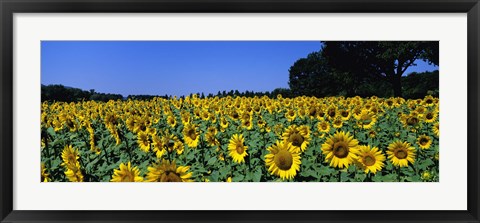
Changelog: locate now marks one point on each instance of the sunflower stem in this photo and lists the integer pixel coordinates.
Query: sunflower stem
(398, 174)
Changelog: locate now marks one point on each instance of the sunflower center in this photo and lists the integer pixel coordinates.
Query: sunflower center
(283, 160)
(71, 159)
(172, 177)
(429, 116)
(240, 149)
(412, 121)
(312, 111)
(191, 134)
(331, 113)
(369, 160)
(423, 141)
(296, 139)
(69, 123)
(340, 149)
(128, 177)
(344, 113)
(401, 153)
(324, 126)
(429, 101)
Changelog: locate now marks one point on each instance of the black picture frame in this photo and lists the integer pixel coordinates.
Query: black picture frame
(9, 7)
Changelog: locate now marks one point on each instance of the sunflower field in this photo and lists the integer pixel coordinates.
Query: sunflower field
(241, 139)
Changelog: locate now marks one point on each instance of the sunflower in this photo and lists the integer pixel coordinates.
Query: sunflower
(93, 148)
(179, 147)
(370, 159)
(73, 173)
(389, 103)
(234, 115)
(290, 115)
(345, 114)
(171, 121)
(143, 141)
(223, 124)
(261, 124)
(436, 129)
(400, 153)
(131, 123)
(282, 160)
(366, 119)
(247, 123)
(237, 150)
(372, 134)
(340, 149)
(211, 139)
(302, 113)
(426, 176)
(312, 112)
(332, 112)
(337, 122)
(430, 116)
(429, 100)
(158, 147)
(205, 115)
(212, 130)
(299, 137)
(168, 172)
(411, 120)
(323, 126)
(185, 116)
(45, 176)
(424, 141)
(190, 135)
(126, 173)
(70, 156)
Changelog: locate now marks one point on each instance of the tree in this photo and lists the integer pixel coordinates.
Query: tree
(312, 76)
(370, 60)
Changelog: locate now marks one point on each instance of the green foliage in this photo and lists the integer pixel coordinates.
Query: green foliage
(62, 93)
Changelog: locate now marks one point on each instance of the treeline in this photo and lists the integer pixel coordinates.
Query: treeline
(58, 92)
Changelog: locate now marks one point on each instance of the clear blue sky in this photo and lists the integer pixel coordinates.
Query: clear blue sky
(174, 67)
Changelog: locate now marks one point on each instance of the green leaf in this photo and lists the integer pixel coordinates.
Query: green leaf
(212, 160)
(344, 177)
(214, 176)
(309, 173)
(51, 131)
(257, 175)
(390, 178)
(224, 171)
(238, 178)
(425, 164)
(325, 171)
(360, 177)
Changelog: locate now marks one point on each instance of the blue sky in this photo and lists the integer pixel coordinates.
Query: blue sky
(174, 67)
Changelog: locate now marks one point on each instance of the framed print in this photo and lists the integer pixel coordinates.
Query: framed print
(242, 111)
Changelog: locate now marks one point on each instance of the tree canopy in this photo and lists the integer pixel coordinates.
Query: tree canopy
(361, 68)
(387, 60)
